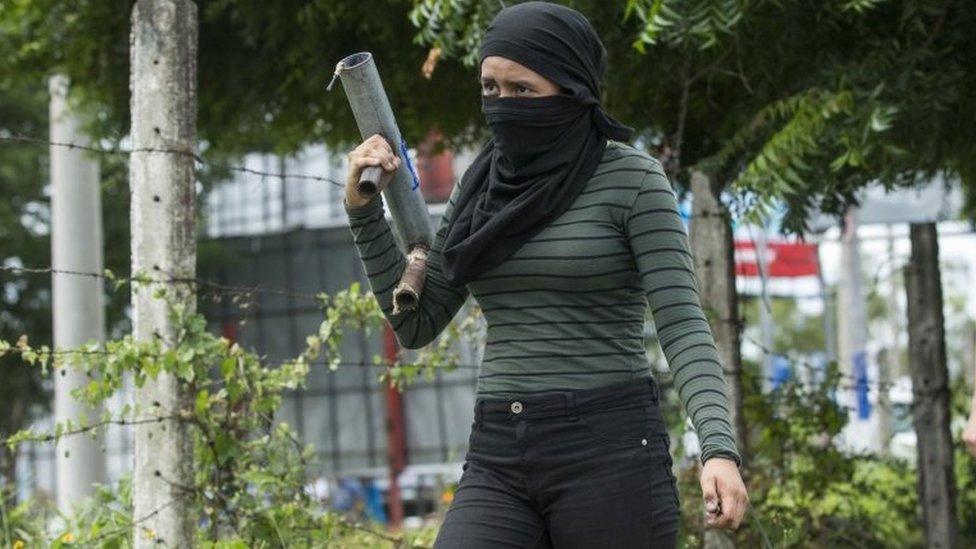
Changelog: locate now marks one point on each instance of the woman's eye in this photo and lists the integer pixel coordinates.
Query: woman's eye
(521, 90)
(488, 89)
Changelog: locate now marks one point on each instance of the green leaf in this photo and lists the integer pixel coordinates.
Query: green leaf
(202, 402)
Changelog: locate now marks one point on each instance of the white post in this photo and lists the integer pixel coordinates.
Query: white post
(79, 316)
(852, 331)
(163, 83)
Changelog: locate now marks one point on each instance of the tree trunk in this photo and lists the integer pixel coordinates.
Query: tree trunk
(163, 82)
(930, 388)
(78, 314)
(713, 247)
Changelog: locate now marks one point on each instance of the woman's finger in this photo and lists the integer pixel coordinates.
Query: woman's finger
(727, 499)
(723, 520)
(378, 144)
(738, 509)
(376, 141)
(711, 498)
(385, 155)
(388, 164)
(969, 437)
(367, 160)
(361, 162)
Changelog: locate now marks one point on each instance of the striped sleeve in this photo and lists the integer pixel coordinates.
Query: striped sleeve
(384, 264)
(659, 242)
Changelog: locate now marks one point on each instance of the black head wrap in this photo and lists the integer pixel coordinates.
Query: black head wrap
(543, 149)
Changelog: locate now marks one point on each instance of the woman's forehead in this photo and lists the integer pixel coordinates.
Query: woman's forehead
(496, 66)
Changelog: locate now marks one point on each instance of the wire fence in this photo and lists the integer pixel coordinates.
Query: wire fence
(323, 299)
(197, 158)
(17, 138)
(207, 286)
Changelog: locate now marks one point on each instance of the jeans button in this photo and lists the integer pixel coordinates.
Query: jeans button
(516, 407)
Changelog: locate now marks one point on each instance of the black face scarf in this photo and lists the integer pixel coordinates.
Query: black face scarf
(543, 149)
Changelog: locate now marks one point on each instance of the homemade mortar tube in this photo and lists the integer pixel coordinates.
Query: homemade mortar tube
(402, 196)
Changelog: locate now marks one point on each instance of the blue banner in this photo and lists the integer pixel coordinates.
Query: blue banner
(861, 384)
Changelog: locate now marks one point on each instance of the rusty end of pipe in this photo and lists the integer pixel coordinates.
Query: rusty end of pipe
(369, 182)
(406, 296)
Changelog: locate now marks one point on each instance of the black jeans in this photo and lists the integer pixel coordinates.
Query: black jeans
(587, 468)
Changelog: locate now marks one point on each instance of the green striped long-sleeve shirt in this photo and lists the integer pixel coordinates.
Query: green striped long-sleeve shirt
(567, 310)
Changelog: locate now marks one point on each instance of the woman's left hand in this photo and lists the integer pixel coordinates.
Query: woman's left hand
(969, 434)
(724, 493)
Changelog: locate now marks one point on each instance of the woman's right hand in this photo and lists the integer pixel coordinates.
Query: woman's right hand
(374, 151)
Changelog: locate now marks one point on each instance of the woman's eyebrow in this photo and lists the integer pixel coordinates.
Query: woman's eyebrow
(516, 82)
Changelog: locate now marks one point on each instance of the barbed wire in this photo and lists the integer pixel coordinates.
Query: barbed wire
(365, 364)
(257, 289)
(859, 381)
(208, 285)
(20, 138)
(275, 361)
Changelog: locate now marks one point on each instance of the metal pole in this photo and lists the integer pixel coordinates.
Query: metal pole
(396, 436)
(79, 315)
(164, 105)
(411, 219)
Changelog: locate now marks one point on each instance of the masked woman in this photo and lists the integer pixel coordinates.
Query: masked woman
(564, 235)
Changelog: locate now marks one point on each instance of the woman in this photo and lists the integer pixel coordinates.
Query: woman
(564, 235)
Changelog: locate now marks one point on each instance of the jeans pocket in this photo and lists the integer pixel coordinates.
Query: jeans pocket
(668, 465)
(658, 486)
(674, 488)
(630, 426)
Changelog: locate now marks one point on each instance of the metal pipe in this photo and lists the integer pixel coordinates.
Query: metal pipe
(411, 220)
